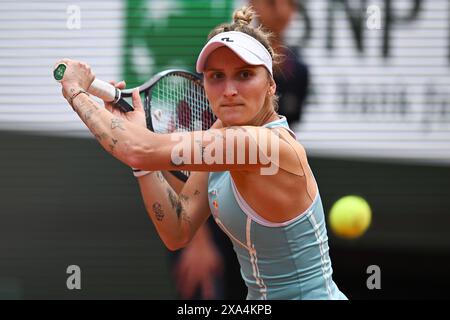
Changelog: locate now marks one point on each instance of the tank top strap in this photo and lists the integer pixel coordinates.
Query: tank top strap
(282, 122)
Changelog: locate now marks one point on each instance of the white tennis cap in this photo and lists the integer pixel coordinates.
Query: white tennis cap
(245, 46)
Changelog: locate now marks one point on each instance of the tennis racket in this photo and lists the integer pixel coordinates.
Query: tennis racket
(174, 101)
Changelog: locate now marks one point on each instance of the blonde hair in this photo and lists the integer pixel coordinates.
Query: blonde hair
(241, 22)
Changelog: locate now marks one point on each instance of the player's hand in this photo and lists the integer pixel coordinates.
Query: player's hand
(78, 75)
(197, 268)
(137, 116)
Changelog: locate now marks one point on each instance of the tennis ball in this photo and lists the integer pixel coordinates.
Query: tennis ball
(350, 216)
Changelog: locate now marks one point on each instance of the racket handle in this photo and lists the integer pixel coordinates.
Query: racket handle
(105, 91)
(99, 88)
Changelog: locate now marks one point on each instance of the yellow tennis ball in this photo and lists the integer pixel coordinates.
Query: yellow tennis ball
(350, 216)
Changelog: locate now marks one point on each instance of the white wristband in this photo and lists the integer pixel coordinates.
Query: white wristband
(140, 173)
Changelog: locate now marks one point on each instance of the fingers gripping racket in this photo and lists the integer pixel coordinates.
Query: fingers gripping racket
(101, 89)
(174, 101)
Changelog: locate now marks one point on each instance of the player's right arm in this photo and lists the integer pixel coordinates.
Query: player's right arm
(176, 217)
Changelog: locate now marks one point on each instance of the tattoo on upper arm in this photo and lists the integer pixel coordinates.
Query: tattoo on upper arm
(157, 209)
(183, 197)
(175, 203)
(172, 198)
(186, 218)
(117, 123)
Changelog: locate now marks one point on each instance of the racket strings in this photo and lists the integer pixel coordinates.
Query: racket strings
(178, 103)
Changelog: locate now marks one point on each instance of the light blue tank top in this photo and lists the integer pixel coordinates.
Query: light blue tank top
(286, 260)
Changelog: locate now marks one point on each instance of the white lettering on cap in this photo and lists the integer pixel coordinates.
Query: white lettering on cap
(245, 46)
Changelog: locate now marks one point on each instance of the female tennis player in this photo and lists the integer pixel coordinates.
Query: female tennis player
(248, 171)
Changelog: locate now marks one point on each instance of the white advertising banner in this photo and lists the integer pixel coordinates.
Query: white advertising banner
(380, 69)
(380, 84)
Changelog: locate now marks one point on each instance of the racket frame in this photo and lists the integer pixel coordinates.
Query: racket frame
(146, 88)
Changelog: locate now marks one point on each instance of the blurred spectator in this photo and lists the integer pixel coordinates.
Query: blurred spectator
(292, 76)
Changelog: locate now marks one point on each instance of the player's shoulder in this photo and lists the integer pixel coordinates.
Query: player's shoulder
(292, 153)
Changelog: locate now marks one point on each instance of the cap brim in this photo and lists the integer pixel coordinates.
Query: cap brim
(246, 55)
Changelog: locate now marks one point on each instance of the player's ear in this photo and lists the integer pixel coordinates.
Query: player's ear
(272, 87)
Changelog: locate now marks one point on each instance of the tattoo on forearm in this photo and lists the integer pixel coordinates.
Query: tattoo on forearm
(157, 209)
(92, 126)
(101, 136)
(85, 105)
(88, 115)
(117, 123)
(196, 193)
(87, 109)
(113, 145)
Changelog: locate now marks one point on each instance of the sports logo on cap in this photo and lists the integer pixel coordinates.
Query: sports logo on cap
(245, 46)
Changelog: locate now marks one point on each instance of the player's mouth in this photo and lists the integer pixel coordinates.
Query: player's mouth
(231, 105)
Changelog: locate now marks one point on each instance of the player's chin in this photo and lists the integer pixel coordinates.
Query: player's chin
(233, 118)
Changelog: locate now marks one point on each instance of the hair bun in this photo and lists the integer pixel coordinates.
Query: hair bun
(243, 16)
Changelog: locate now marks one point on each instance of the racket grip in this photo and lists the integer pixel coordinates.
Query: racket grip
(105, 91)
(99, 88)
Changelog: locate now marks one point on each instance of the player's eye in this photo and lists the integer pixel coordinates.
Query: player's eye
(245, 74)
(216, 75)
